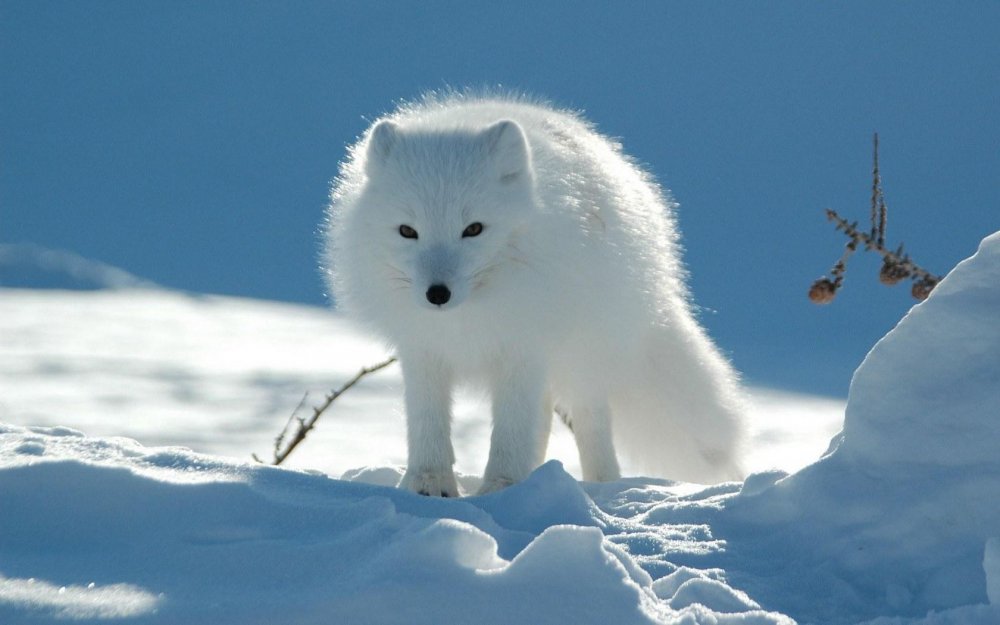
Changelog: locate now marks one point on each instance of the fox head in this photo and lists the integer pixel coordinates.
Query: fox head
(444, 208)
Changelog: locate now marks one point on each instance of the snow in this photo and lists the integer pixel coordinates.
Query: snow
(991, 566)
(157, 366)
(898, 523)
(113, 601)
(164, 535)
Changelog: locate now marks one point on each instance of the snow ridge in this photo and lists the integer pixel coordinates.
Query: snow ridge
(187, 538)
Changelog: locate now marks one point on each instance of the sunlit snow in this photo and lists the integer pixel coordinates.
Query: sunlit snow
(897, 524)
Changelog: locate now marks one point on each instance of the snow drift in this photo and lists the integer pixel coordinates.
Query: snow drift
(96, 529)
(896, 519)
(899, 524)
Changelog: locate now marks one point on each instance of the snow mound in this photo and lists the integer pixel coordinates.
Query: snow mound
(34, 266)
(897, 523)
(98, 528)
(929, 392)
(896, 519)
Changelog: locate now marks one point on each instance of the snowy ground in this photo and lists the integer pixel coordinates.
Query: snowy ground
(899, 524)
(221, 376)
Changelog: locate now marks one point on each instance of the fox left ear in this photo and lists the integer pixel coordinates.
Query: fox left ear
(508, 147)
(381, 141)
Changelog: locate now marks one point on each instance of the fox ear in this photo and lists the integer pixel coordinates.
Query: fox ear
(508, 147)
(383, 138)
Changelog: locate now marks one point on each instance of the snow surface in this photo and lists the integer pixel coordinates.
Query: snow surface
(991, 566)
(897, 524)
(221, 375)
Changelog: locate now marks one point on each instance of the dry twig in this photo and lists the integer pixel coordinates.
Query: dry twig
(896, 265)
(302, 426)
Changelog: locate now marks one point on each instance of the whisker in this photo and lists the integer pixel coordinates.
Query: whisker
(397, 277)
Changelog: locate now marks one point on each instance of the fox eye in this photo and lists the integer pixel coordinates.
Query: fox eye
(473, 230)
(407, 232)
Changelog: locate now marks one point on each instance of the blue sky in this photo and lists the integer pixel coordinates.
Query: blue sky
(192, 143)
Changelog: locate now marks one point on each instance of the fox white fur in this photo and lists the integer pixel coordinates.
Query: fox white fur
(571, 298)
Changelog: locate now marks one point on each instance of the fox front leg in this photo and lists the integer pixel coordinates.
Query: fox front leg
(591, 426)
(520, 411)
(430, 455)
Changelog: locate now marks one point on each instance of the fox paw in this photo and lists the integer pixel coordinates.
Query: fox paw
(433, 483)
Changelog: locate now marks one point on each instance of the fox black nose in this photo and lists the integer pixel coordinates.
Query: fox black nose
(438, 294)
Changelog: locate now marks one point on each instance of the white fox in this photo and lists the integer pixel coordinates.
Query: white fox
(504, 244)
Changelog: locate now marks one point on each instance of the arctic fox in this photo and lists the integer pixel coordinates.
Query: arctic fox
(505, 244)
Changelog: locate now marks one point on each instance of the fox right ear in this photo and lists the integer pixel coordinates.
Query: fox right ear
(508, 147)
(383, 138)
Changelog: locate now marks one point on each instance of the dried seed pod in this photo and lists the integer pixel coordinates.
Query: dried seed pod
(896, 265)
(892, 272)
(922, 289)
(822, 291)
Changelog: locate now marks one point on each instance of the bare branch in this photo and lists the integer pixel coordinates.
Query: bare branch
(895, 265)
(303, 426)
(877, 231)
